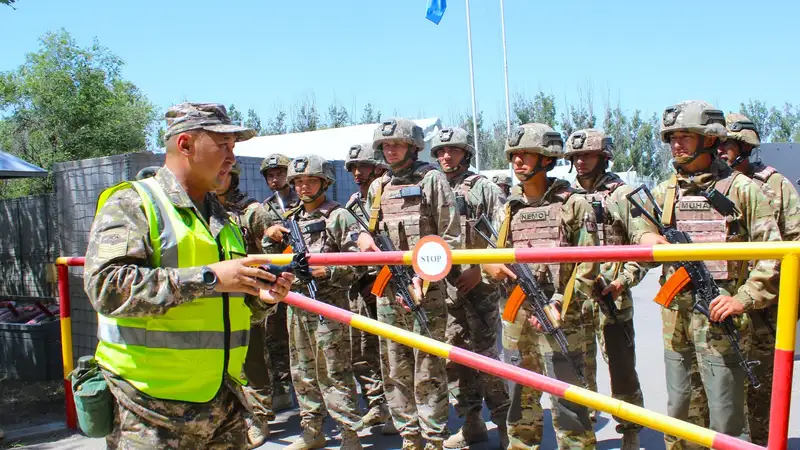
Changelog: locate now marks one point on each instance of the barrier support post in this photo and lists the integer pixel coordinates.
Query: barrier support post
(66, 341)
(784, 354)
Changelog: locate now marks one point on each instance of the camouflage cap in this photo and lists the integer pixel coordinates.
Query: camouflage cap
(742, 129)
(398, 129)
(275, 161)
(694, 116)
(364, 154)
(453, 137)
(535, 138)
(502, 179)
(203, 116)
(312, 166)
(589, 140)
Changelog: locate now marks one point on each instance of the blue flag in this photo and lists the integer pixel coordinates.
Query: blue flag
(436, 10)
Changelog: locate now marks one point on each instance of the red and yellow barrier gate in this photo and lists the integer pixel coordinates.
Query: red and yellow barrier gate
(788, 252)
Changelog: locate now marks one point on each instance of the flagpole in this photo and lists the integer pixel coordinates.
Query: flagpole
(472, 87)
(505, 74)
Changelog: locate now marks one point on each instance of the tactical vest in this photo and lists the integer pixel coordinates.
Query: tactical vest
(607, 233)
(695, 216)
(183, 354)
(405, 213)
(762, 177)
(314, 229)
(540, 227)
(469, 214)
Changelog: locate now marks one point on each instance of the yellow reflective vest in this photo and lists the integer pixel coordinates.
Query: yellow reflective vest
(183, 354)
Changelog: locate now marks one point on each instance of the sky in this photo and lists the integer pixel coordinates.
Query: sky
(267, 55)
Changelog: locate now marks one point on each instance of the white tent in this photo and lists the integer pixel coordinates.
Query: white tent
(331, 144)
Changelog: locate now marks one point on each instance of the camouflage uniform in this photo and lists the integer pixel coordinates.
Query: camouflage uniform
(687, 334)
(365, 346)
(784, 200)
(473, 320)
(276, 334)
(414, 381)
(616, 224)
(558, 219)
(319, 350)
(503, 182)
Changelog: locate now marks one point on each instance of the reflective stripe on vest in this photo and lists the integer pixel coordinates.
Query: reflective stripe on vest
(182, 354)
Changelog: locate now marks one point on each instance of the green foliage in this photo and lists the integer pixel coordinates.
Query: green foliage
(370, 115)
(235, 115)
(542, 109)
(578, 117)
(774, 125)
(8, 2)
(338, 116)
(306, 117)
(254, 121)
(68, 102)
(277, 125)
(490, 142)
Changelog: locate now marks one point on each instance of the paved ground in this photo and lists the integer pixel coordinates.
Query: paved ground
(651, 371)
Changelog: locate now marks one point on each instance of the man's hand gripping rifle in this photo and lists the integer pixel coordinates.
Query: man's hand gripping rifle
(401, 276)
(695, 272)
(528, 288)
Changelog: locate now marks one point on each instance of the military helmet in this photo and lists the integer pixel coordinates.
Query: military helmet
(312, 166)
(453, 137)
(275, 161)
(535, 138)
(398, 129)
(364, 154)
(502, 179)
(147, 172)
(694, 116)
(742, 129)
(589, 140)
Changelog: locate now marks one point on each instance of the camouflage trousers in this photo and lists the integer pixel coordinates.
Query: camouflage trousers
(618, 354)
(415, 382)
(321, 369)
(365, 351)
(688, 336)
(263, 365)
(143, 422)
(541, 351)
(472, 324)
(762, 349)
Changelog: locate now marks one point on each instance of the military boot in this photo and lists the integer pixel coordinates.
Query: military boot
(257, 432)
(311, 438)
(434, 445)
(376, 415)
(630, 440)
(350, 441)
(282, 402)
(412, 442)
(472, 432)
(502, 433)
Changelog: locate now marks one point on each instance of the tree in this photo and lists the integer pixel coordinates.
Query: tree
(277, 125)
(370, 115)
(580, 116)
(254, 122)
(235, 115)
(759, 114)
(306, 117)
(338, 116)
(8, 2)
(616, 125)
(783, 123)
(67, 102)
(542, 109)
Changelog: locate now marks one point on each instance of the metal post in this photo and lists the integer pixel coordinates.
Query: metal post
(505, 75)
(784, 354)
(472, 87)
(66, 342)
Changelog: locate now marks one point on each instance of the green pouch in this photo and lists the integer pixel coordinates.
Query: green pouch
(93, 401)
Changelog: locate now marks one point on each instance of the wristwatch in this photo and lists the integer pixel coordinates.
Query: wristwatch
(209, 278)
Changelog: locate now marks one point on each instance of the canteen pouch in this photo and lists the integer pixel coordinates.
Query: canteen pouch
(93, 401)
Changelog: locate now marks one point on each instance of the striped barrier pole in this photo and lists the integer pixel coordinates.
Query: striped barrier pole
(64, 306)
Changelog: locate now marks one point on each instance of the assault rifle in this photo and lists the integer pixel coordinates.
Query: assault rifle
(528, 288)
(296, 243)
(401, 276)
(695, 272)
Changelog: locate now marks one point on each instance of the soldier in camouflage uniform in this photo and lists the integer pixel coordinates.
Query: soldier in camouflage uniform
(167, 395)
(589, 151)
(473, 318)
(412, 201)
(545, 212)
(319, 350)
(366, 165)
(253, 219)
(694, 129)
(743, 137)
(274, 170)
(504, 182)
